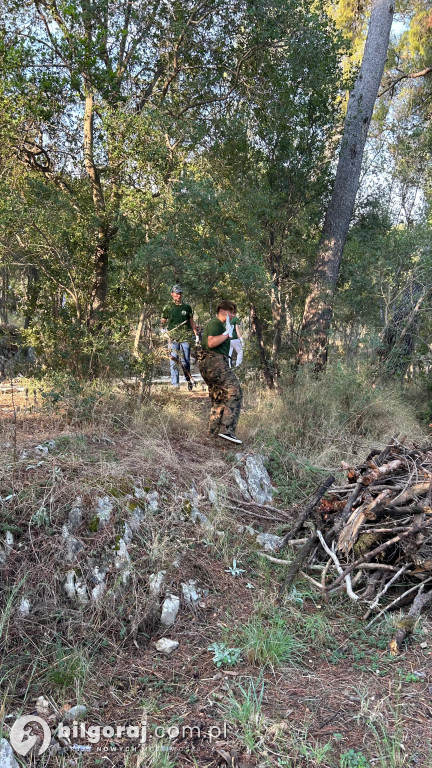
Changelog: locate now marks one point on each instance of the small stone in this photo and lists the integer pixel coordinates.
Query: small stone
(190, 593)
(200, 517)
(97, 592)
(156, 581)
(42, 706)
(153, 501)
(75, 713)
(7, 547)
(170, 609)
(75, 588)
(104, 507)
(99, 574)
(24, 607)
(247, 529)
(127, 536)
(423, 645)
(212, 496)
(69, 585)
(7, 759)
(73, 545)
(81, 592)
(41, 450)
(165, 645)
(269, 541)
(75, 514)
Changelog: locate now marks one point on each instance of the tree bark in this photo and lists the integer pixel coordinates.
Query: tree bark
(319, 303)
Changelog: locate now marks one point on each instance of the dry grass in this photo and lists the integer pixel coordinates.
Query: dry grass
(104, 444)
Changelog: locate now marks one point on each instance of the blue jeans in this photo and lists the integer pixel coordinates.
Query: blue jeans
(184, 348)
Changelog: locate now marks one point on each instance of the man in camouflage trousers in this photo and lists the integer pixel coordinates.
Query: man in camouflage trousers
(223, 385)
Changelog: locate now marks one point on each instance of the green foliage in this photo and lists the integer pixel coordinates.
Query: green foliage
(353, 759)
(266, 640)
(244, 709)
(224, 656)
(69, 668)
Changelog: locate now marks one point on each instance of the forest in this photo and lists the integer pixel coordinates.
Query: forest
(169, 599)
(144, 144)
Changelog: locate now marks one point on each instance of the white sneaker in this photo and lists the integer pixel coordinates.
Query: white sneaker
(231, 438)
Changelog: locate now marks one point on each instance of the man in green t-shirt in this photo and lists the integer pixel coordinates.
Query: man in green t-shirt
(223, 385)
(178, 318)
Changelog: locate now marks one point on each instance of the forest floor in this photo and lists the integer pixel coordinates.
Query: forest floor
(300, 685)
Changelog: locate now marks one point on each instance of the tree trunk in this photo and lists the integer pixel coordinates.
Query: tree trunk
(319, 303)
(257, 330)
(398, 337)
(4, 295)
(105, 232)
(276, 306)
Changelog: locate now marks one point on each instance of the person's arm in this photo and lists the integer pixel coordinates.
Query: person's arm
(215, 341)
(238, 331)
(193, 325)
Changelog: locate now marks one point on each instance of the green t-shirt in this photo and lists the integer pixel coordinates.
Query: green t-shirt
(214, 328)
(176, 314)
(234, 322)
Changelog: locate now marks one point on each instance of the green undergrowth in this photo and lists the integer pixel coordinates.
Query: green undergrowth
(315, 422)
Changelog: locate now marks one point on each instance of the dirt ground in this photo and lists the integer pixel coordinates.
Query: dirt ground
(341, 701)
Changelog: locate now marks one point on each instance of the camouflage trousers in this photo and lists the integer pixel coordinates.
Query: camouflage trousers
(224, 390)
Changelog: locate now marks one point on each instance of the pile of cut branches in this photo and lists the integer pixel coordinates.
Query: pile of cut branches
(373, 535)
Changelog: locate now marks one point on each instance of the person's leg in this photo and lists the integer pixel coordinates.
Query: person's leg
(233, 397)
(226, 392)
(239, 350)
(185, 353)
(174, 350)
(216, 396)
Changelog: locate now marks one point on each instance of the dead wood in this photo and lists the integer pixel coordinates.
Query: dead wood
(407, 624)
(381, 519)
(321, 490)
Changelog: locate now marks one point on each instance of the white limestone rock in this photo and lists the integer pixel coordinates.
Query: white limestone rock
(75, 713)
(73, 545)
(190, 593)
(42, 706)
(153, 501)
(7, 547)
(104, 507)
(75, 515)
(165, 645)
(24, 607)
(258, 479)
(122, 560)
(156, 581)
(7, 759)
(269, 541)
(242, 484)
(75, 588)
(170, 609)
